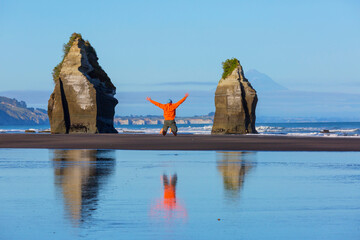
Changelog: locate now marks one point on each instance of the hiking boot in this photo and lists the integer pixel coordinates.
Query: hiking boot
(162, 132)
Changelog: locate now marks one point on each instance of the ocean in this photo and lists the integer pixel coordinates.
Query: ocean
(328, 129)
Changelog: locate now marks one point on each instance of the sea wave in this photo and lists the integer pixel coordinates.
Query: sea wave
(24, 130)
(184, 130)
(12, 130)
(310, 129)
(345, 130)
(265, 129)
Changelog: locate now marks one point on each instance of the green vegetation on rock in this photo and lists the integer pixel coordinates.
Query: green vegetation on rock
(66, 49)
(229, 65)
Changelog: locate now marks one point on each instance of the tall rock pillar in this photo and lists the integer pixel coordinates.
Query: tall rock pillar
(83, 98)
(235, 102)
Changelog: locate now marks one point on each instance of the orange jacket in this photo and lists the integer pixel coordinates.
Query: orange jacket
(169, 108)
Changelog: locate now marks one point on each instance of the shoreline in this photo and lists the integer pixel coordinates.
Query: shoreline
(181, 142)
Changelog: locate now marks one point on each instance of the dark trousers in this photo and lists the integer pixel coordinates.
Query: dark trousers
(171, 124)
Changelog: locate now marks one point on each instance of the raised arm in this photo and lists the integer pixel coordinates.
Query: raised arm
(181, 101)
(155, 103)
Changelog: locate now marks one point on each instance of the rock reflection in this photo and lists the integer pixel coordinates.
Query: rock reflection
(79, 174)
(234, 166)
(169, 207)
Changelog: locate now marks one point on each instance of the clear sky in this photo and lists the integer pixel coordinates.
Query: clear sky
(155, 45)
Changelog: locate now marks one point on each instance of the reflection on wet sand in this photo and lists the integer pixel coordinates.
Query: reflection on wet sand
(79, 175)
(234, 166)
(169, 207)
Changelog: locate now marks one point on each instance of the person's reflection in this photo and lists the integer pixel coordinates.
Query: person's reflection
(170, 191)
(169, 207)
(234, 166)
(79, 174)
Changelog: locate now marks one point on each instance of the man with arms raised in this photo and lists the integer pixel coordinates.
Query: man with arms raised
(169, 114)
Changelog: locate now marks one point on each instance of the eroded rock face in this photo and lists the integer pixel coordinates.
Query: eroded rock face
(83, 99)
(235, 103)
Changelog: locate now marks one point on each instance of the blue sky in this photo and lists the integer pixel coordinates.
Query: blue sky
(147, 45)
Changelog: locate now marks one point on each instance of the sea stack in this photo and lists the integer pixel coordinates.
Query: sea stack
(235, 102)
(83, 98)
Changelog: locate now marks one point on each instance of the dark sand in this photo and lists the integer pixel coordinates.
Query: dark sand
(181, 142)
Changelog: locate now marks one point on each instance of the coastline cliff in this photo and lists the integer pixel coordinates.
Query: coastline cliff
(13, 112)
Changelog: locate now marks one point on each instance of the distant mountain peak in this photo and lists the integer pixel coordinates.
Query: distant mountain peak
(262, 82)
(251, 71)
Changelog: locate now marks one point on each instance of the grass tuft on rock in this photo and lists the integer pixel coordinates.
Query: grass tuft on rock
(66, 49)
(228, 66)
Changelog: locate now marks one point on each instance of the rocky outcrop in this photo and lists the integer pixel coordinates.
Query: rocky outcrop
(13, 112)
(235, 103)
(83, 99)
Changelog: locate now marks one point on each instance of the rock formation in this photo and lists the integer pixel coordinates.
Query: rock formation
(13, 112)
(83, 99)
(235, 102)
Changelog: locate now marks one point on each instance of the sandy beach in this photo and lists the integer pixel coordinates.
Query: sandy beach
(181, 142)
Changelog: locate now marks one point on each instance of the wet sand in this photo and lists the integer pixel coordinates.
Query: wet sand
(181, 142)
